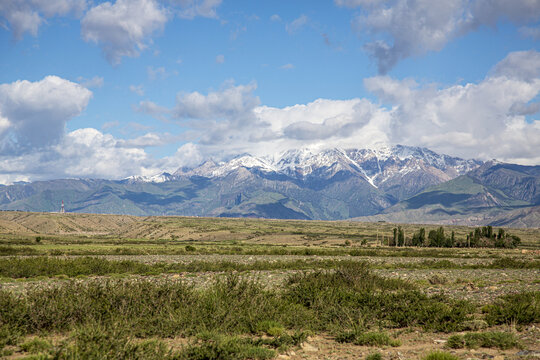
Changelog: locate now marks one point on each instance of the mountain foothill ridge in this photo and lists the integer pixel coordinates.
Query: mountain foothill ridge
(389, 183)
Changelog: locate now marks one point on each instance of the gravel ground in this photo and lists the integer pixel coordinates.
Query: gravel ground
(478, 285)
(248, 259)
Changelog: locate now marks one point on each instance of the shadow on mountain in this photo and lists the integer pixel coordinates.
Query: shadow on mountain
(435, 197)
(151, 199)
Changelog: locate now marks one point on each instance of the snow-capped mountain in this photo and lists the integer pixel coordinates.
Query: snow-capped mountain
(376, 165)
(330, 184)
(399, 170)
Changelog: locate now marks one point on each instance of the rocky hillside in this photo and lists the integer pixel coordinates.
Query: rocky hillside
(407, 183)
(494, 193)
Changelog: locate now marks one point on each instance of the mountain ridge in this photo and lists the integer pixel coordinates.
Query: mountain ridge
(330, 184)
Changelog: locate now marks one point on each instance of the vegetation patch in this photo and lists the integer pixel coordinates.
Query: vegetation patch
(367, 338)
(440, 355)
(499, 340)
(210, 346)
(521, 309)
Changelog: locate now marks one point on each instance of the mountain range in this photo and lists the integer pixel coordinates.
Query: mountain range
(398, 184)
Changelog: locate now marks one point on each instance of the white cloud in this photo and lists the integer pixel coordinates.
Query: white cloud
(520, 65)
(137, 89)
(26, 16)
(95, 82)
(287, 66)
(152, 109)
(275, 18)
(532, 32)
(146, 140)
(192, 8)
(296, 24)
(477, 120)
(416, 27)
(89, 153)
(357, 3)
(483, 120)
(123, 28)
(156, 73)
(230, 102)
(37, 112)
(231, 121)
(220, 59)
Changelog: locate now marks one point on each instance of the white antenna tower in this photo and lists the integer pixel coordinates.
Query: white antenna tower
(62, 209)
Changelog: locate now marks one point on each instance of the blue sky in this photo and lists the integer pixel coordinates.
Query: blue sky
(119, 88)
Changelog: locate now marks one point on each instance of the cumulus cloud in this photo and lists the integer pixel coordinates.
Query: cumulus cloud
(231, 121)
(189, 9)
(89, 153)
(26, 16)
(520, 65)
(34, 114)
(483, 120)
(123, 28)
(230, 102)
(416, 27)
(487, 119)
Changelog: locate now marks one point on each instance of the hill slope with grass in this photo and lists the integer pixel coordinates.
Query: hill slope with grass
(494, 194)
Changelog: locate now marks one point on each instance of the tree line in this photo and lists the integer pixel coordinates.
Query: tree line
(483, 236)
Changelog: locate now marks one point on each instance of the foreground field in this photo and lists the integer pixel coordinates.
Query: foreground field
(97, 286)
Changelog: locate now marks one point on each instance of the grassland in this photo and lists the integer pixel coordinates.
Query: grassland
(83, 286)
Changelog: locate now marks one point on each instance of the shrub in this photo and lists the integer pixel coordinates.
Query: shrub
(270, 328)
(97, 342)
(374, 356)
(456, 342)
(36, 346)
(500, 340)
(8, 336)
(210, 346)
(522, 309)
(440, 355)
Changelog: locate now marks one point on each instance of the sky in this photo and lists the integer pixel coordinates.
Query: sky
(111, 89)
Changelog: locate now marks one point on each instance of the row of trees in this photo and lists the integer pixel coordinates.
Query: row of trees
(479, 237)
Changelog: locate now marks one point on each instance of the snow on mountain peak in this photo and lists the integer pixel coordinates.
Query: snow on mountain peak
(375, 165)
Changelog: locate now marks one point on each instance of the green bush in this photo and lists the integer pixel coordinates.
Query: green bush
(270, 328)
(212, 346)
(94, 341)
(8, 336)
(36, 346)
(521, 309)
(499, 340)
(323, 300)
(440, 355)
(374, 356)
